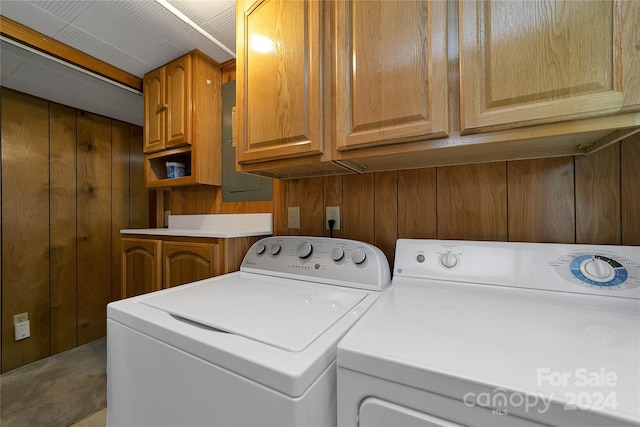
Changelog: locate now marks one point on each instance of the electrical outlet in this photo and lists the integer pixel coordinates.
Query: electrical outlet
(333, 212)
(20, 318)
(294, 217)
(21, 330)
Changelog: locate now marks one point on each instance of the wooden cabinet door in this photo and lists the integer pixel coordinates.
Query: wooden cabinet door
(278, 75)
(154, 111)
(529, 62)
(186, 262)
(178, 93)
(390, 83)
(141, 266)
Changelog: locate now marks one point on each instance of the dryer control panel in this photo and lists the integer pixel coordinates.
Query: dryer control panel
(320, 259)
(591, 269)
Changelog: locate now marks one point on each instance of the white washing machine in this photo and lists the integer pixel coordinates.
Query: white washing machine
(498, 334)
(251, 348)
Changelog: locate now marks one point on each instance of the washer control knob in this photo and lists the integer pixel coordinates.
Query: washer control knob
(304, 250)
(598, 269)
(337, 254)
(275, 249)
(449, 259)
(260, 248)
(358, 256)
(420, 258)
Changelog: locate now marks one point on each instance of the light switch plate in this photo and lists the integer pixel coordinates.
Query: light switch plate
(294, 217)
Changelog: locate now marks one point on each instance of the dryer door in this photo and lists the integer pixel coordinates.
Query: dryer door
(376, 412)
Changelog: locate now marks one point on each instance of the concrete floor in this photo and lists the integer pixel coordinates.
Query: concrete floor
(57, 391)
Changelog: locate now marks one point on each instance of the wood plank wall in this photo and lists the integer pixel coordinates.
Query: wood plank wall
(592, 200)
(70, 181)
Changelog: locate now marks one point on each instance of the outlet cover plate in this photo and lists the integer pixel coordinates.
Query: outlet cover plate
(333, 212)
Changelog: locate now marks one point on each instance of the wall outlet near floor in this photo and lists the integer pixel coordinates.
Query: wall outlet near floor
(21, 328)
(20, 318)
(294, 217)
(333, 212)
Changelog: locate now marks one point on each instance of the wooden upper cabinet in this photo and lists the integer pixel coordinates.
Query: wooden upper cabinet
(182, 121)
(154, 116)
(278, 69)
(167, 106)
(390, 81)
(532, 62)
(178, 97)
(186, 262)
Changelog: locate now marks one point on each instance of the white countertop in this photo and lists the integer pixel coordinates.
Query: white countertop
(215, 225)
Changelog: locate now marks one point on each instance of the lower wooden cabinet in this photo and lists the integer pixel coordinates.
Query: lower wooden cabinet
(186, 262)
(141, 266)
(151, 263)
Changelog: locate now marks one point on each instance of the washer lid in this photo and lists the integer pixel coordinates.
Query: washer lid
(286, 314)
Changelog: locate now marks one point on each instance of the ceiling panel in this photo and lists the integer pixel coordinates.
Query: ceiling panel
(136, 36)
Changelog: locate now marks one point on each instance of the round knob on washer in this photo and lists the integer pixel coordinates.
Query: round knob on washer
(260, 248)
(420, 258)
(337, 254)
(275, 249)
(358, 256)
(304, 250)
(449, 259)
(598, 269)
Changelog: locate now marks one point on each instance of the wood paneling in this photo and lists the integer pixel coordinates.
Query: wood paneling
(62, 227)
(119, 199)
(94, 225)
(307, 194)
(138, 195)
(358, 208)
(417, 204)
(25, 225)
(472, 202)
(57, 209)
(598, 197)
(630, 184)
(280, 203)
(386, 213)
(541, 200)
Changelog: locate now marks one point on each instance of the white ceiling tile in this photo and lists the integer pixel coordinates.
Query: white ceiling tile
(126, 35)
(194, 40)
(200, 11)
(32, 16)
(153, 18)
(64, 9)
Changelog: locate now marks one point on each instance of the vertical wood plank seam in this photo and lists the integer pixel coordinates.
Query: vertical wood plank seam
(620, 177)
(76, 223)
(575, 202)
(49, 221)
(437, 197)
(506, 189)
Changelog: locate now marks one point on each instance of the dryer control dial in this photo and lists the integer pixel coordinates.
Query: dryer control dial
(449, 259)
(305, 249)
(597, 269)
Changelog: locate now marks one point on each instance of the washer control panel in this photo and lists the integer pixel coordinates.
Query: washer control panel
(591, 269)
(333, 261)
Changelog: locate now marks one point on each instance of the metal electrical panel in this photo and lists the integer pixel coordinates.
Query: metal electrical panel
(237, 186)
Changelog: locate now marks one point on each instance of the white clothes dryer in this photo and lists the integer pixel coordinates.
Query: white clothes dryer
(251, 348)
(498, 334)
